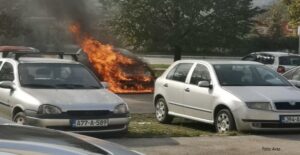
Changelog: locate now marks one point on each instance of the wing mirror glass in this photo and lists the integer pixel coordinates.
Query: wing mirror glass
(204, 84)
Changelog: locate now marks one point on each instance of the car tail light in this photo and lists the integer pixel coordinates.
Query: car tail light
(280, 69)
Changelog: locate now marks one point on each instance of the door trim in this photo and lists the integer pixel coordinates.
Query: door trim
(191, 107)
(192, 118)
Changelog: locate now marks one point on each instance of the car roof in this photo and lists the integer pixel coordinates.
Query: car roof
(214, 62)
(45, 60)
(276, 53)
(17, 49)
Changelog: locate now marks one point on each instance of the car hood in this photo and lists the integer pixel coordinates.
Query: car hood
(265, 93)
(34, 140)
(76, 99)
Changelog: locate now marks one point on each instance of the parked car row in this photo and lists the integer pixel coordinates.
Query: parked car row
(65, 95)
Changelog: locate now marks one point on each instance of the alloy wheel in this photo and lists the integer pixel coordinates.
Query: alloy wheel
(223, 123)
(160, 110)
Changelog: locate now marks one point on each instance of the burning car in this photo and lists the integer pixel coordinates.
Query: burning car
(124, 72)
(135, 78)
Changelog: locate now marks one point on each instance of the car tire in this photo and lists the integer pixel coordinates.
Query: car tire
(224, 121)
(20, 118)
(161, 111)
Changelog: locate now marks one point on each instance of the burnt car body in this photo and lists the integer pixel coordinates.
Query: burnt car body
(135, 73)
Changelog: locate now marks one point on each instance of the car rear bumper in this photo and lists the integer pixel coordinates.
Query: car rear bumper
(114, 125)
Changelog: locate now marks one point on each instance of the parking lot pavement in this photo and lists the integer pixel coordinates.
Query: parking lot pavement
(139, 103)
(215, 145)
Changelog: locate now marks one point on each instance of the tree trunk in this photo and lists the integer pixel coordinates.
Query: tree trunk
(177, 53)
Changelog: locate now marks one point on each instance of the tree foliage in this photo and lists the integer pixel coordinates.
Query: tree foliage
(294, 11)
(184, 25)
(273, 18)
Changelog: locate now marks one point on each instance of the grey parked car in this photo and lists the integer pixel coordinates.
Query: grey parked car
(58, 94)
(240, 95)
(25, 140)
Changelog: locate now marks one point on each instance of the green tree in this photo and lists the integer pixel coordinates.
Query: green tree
(188, 24)
(294, 11)
(273, 18)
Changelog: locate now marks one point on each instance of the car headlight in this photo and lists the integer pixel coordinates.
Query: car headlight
(121, 109)
(48, 109)
(259, 105)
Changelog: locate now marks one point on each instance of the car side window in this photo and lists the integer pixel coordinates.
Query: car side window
(200, 73)
(180, 72)
(7, 72)
(171, 73)
(265, 59)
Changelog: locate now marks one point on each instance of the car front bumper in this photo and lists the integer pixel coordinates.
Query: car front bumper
(114, 125)
(259, 120)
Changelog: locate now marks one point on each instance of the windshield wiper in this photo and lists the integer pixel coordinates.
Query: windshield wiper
(38, 85)
(69, 86)
(73, 86)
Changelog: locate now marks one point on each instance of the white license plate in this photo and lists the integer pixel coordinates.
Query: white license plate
(90, 123)
(290, 119)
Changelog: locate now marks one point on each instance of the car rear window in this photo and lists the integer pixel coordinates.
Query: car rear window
(289, 60)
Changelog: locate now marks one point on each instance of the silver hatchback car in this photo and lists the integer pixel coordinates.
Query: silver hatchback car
(58, 94)
(240, 95)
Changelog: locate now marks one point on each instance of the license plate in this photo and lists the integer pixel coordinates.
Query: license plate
(290, 119)
(89, 123)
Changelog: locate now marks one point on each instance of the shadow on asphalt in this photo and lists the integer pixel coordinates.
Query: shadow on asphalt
(288, 135)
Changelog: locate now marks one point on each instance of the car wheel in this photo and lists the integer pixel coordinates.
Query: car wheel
(224, 121)
(161, 111)
(20, 118)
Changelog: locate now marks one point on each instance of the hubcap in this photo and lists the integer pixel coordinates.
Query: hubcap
(20, 120)
(223, 124)
(160, 110)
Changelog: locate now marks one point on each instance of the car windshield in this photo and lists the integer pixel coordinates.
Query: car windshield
(289, 60)
(58, 76)
(248, 75)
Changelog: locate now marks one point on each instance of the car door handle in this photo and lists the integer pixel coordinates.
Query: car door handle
(166, 85)
(187, 89)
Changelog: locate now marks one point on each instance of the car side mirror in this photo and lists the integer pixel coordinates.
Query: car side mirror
(295, 83)
(105, 85)
(204, 84)
(8, 85)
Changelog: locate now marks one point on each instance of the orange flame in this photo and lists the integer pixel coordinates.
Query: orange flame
(124, 74)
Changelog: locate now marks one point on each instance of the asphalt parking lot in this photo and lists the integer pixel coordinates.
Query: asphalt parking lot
(262, 144)
(216, 145)
(139, 103)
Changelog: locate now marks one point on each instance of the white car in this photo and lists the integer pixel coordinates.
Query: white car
(240, 95)
(279, 61)
(58, 94)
